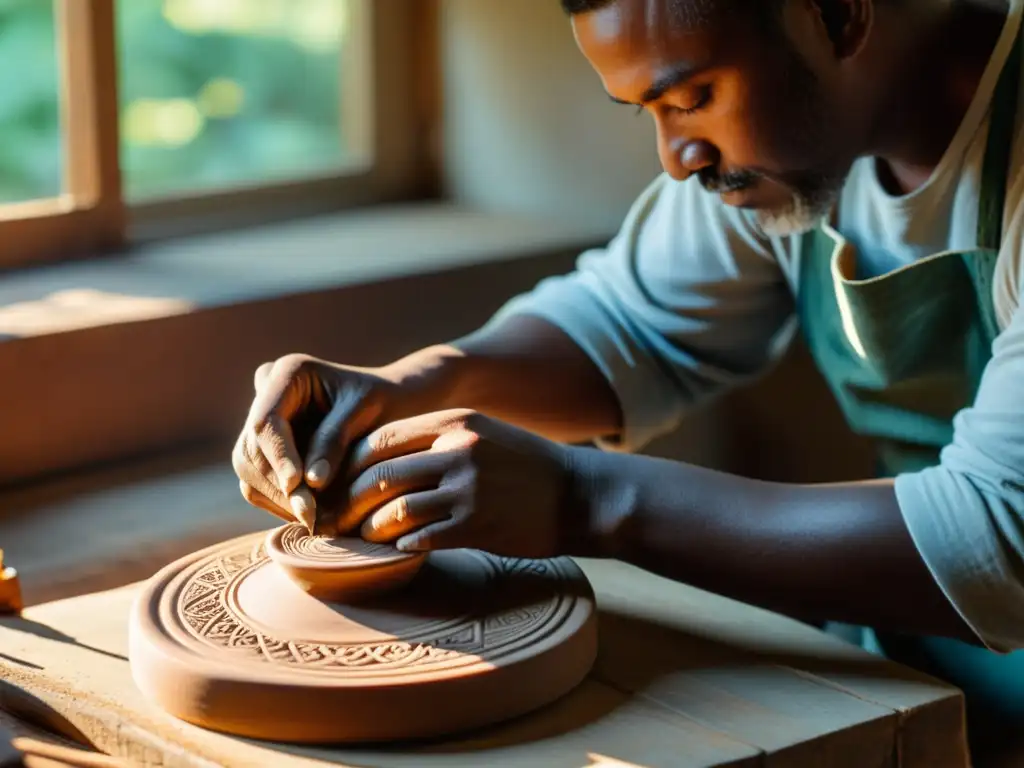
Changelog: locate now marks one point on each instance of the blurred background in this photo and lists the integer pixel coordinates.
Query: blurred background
(208, 92)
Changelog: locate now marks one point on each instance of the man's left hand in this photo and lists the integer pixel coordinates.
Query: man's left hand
(458, 479)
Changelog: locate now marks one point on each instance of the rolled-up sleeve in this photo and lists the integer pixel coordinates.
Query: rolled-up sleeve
(966, 515)
(686, 300)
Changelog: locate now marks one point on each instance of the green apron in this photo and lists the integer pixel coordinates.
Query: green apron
(903, 353)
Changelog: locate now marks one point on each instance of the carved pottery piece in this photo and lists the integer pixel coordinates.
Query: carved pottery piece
(346, 569)
(226, 640)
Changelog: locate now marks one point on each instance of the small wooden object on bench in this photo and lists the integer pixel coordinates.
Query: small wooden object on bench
(10, 589)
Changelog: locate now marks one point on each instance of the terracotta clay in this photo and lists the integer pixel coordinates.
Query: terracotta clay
(226, 640)
(347, 569)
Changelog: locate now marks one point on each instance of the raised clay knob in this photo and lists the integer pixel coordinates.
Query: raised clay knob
(340, 569)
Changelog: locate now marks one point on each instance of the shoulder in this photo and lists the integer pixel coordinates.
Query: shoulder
(682, 226)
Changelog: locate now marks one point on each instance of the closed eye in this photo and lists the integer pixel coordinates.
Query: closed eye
(703, 99)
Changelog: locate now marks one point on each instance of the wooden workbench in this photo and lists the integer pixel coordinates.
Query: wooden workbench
(683, 679)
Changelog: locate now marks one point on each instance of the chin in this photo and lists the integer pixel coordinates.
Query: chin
(776, 224)
(798, 217)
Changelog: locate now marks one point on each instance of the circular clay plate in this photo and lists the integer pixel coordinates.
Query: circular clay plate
(346, 569)
(224, 639)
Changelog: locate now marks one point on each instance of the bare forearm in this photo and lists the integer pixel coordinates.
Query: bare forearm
(825, 552)
(525, 372)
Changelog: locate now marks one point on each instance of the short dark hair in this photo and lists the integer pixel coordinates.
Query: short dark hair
(684, 7)
(692, 12)
(690, 7)
(572, 7)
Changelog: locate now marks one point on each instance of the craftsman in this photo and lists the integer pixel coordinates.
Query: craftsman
(848, 167)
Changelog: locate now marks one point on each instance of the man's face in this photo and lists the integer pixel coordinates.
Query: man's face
(734, 101)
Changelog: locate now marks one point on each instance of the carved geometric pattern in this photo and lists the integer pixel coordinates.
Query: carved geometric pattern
(295, 541)
(213, 619)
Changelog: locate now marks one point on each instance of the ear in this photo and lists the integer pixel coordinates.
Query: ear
(846, 23)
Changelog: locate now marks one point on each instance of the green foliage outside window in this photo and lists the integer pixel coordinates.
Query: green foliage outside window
(214, 93)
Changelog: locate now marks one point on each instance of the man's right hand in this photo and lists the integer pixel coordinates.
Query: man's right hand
(306, 414)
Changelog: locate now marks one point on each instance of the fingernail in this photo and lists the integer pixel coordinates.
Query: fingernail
(288, 480)
(318, 472)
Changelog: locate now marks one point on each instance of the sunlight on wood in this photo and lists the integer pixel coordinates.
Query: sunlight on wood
(83, 308)
(603, 761)
(34, 209)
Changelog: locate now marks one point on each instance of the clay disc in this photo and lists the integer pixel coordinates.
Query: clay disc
(346, 569)
(224, 639)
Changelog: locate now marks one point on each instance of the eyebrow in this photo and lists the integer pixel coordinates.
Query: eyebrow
(666, 81)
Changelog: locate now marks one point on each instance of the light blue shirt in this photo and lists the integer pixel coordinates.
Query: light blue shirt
(692, 298)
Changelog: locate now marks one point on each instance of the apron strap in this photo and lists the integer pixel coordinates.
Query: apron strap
(998, 151)
(995, 175)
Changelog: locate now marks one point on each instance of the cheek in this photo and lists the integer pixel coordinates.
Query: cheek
(742, 124)
(793, 120)
(766, 122)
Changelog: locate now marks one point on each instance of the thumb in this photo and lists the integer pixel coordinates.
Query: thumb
(350, 417)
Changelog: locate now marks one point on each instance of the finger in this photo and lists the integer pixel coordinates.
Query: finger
(257, 499)
(349, 417)
(445, 534)
(277, 442)
(390, 480)
(405, 436)
(280, 400)
(261, 376)
(407, 514)
(255, 472)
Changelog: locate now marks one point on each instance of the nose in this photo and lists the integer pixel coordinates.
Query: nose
(680, 158)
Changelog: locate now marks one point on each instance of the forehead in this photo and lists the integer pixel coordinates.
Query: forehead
(628, 39)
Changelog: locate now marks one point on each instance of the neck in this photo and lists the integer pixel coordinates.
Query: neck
(932, 55)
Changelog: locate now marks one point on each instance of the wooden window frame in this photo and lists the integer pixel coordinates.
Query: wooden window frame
(396, 39)
(88, 215)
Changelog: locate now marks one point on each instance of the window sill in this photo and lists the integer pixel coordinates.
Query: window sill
(186, 275)
(133, 354)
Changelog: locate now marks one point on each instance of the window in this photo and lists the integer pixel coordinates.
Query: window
(125, 120)
(217, 93)
(30, 151)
